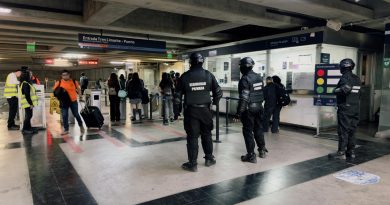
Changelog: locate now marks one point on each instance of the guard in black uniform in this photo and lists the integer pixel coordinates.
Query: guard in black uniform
(348, 104)
(196, 85)
(250, 110)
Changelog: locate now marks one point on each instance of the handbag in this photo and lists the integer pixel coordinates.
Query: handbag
(112, 91)
(122, 93)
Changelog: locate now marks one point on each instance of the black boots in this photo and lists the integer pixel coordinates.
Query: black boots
(263, 152)
(192, 152)
(134, 115)
(140, 114)
(190, 166)
(249, 158)
(350, 154)
(337, 155)
(210, 160)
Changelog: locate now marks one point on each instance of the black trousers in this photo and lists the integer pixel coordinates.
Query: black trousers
(13, 109)
(348, 119)
(28, 114)
(115, 114)
(198, 121)
(252, 130)
(275, 113)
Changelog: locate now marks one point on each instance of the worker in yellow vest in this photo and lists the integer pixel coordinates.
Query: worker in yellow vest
(28, 100)
(11, 93)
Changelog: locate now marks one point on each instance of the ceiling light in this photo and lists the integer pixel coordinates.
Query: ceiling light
(163, 60)
(5, 10)
(133, 60)
(117, 62)
(75, 55)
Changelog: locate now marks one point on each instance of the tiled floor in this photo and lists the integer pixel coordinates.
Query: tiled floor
(140, 163)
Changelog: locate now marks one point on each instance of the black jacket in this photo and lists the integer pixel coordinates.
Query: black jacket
(270, 95)
(26, 92)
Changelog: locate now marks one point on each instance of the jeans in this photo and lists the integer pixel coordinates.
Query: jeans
(275, 113)
(13, 109)
(74, 107)
(168, 107)
(28, 114)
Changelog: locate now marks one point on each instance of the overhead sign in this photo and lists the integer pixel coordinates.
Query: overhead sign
(260, 45)
(49, 61)
(30, 47)
(90, 41)
(88, 62)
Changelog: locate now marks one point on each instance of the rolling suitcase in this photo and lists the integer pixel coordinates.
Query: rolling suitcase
(92, 116)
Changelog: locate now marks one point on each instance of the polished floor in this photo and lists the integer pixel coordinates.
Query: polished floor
(140, 164)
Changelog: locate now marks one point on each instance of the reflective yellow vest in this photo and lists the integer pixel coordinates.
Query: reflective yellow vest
(10, 90)
(33, 95)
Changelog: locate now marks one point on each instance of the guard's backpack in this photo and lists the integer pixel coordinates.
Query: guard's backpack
(283, 96)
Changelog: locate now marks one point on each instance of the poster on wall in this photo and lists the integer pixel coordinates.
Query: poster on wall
(325, 58)
(235, 69)
(225, 66)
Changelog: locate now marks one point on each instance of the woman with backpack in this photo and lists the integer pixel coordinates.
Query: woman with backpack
(283, 99)
(113, 90)
(166, 87)
(134, 92)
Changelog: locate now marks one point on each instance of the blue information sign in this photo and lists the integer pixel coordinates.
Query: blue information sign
(90, 41)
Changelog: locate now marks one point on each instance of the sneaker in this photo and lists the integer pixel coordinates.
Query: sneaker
(27, 132)
(188, 166)
(210, 162)
(337, 155)
(249, 158)
(172, 120)
(65, 132)
(165, 122)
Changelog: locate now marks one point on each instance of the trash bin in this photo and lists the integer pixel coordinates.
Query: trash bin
(95, 98)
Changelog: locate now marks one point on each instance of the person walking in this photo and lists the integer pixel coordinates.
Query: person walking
(271, 107)
(11, 93)
(66, 90)
(84, 83)
(113, 90)
(166, 89)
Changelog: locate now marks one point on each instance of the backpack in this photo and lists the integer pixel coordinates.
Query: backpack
(283, 96)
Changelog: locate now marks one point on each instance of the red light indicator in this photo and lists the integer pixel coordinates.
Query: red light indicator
(49, 61)
(320, 72)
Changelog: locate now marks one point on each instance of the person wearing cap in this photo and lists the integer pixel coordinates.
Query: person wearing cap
(11, 93)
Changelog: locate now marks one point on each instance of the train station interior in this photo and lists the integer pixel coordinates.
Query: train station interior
(134, 153)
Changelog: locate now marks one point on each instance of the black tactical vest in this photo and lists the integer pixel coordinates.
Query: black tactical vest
(256, 87)
(197, 85)
(351, 99)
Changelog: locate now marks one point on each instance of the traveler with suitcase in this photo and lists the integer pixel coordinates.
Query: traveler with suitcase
(66, 90)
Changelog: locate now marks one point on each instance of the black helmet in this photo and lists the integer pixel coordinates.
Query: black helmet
(196, 59)
(346, 64)
(246, 64)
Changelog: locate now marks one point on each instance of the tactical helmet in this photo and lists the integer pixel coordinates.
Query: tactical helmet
(346, 64)
(246, 64)
(196, 59)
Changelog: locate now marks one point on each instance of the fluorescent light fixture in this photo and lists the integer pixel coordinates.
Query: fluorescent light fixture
(75, 55)
(133, 60)
(163, 59)
(60, 62)
(117, 62)
(5, 10)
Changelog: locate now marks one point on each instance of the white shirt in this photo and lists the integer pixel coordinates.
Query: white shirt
(13, 79)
